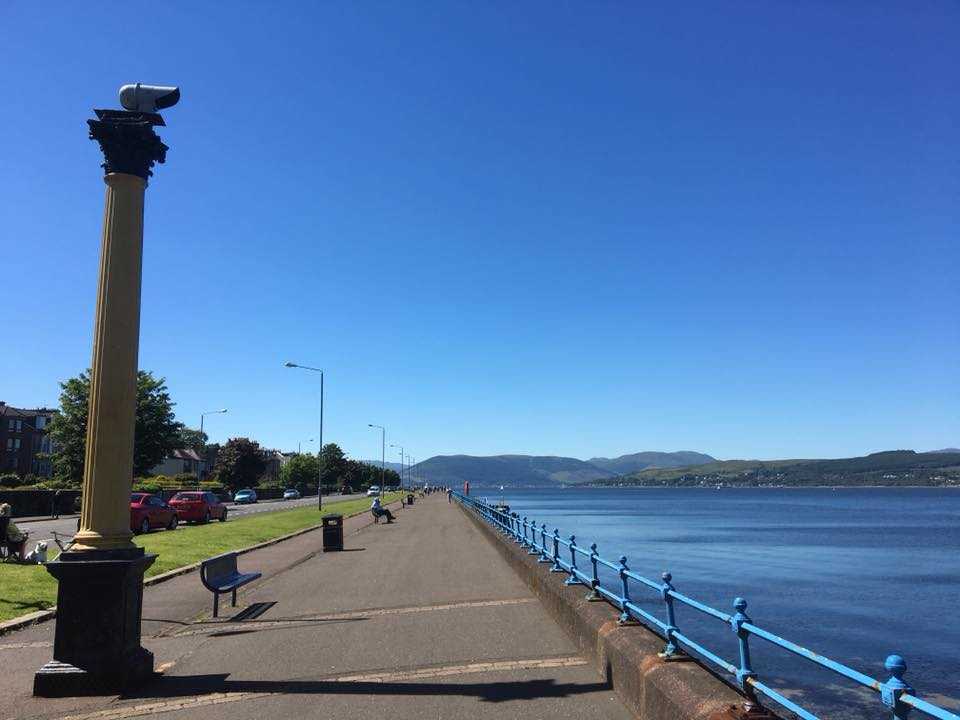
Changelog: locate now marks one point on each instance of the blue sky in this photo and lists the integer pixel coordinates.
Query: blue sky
(553, 228)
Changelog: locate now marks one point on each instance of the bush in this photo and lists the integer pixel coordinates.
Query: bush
(10, 480)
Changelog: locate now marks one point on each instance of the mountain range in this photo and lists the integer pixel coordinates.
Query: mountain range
(544, 470)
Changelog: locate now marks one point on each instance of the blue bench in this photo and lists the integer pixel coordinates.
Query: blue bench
(220, 575)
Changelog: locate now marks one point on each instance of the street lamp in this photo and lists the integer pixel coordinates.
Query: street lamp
(298, 445)
(383, 453)
(401, 462)
(320, 451)
(202, 438)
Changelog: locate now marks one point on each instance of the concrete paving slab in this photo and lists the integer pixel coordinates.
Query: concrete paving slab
(421, 619)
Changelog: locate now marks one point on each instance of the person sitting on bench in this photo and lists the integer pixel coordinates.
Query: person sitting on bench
(379, 511)
(15, 540)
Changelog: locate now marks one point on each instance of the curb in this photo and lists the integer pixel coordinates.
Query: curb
(40, 616)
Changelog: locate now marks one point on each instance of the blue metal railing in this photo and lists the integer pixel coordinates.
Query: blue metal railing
(895, 693)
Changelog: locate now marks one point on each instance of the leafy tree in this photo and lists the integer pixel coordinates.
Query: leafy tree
(333, 466)
(190, 438)
(300, 472)
(240, 462)
(157, 432)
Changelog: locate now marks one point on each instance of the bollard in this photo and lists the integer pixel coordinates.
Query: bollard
(572, 578)
(556, 551)
(544, 558)
(624, 592)
(745, 671)
(594, 595)
(670, 651)
(893, 688)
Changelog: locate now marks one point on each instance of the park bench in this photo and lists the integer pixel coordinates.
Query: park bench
(220, 575)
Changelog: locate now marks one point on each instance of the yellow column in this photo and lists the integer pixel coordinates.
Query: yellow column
(108, 470)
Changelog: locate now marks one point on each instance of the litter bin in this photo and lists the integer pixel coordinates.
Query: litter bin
(409, 498)
(332, 533)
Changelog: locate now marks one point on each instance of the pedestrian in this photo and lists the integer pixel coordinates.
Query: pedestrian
(15, 539)
(379, 511)
(449, 493)
(55, 509)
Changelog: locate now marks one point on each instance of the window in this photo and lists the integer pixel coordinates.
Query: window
(11, 424)
(40, 422)
(16, 444)
(19, 425)
(9, 444)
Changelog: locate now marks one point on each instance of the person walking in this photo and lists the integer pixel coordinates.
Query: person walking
(55, 507)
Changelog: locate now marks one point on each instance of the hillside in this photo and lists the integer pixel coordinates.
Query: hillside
(626, 464)
(897, 467)
(508, 470)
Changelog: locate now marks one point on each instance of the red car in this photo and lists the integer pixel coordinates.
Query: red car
(198, 506)
(148, 511)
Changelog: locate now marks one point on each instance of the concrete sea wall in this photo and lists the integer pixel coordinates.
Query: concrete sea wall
(626, 655)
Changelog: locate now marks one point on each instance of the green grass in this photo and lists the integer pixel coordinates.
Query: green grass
(28, 588)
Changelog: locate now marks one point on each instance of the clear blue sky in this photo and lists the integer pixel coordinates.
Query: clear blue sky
(553, 228)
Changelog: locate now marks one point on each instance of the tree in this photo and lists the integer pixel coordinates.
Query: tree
(157, 432)
(300, 472)
(190, 438)
(333, 466)
(240, 462)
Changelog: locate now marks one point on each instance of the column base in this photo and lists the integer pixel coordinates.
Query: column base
(60, 679)
(96, 647)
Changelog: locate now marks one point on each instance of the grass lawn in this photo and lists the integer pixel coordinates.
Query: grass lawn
(27, 588)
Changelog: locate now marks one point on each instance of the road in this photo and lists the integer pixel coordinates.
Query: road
(67, 526)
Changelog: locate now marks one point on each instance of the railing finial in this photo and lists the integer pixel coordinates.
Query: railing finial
(895, 686)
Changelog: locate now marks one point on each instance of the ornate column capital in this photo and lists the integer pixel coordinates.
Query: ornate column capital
(128, 142)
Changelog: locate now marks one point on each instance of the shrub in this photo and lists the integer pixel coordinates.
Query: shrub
(10, 480)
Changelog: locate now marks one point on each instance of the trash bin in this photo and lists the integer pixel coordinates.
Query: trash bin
(409, 498)
(332, 533)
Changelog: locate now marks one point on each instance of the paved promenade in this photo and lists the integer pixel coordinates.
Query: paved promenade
(418, 619)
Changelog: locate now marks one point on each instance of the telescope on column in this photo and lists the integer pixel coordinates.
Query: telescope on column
(148, 98)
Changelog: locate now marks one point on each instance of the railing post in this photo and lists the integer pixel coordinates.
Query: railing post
(670, 651)
(517, 536)
(556, 552)
(745, 671)
(594, 595)
(894, 687)
(533, 539)
(544, 558)
(624, 592)
(572, 578)
(523, 539)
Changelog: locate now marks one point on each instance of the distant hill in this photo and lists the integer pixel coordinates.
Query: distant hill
(896, 467)
(389, 465)
(626, 464)
(508, 470)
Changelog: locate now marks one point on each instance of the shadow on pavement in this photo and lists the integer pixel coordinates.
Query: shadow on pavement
(192, 685)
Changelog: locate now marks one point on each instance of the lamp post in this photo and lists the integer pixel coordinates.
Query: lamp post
(383, 453)
(401, 462)
(96, 647)
(202, 416)
(320, 450)
(298, 445)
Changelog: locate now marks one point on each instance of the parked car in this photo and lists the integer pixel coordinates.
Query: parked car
(245, 496)
(198, 506)
(148, 512)
(291, 494)
(373, 491)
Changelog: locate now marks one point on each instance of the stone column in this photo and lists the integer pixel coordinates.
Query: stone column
(99, 599)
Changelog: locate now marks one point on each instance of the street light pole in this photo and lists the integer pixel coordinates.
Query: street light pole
(320, 450)
(383, 454)
(202, 439)
(401, 461)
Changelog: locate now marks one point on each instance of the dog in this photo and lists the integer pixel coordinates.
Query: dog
(38, 556)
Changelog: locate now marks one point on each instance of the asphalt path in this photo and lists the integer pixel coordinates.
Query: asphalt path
(65, 527)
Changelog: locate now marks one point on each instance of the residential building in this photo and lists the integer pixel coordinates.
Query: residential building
(25, 444)
(179, 462)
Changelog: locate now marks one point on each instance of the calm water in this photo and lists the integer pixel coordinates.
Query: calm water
(854, 574)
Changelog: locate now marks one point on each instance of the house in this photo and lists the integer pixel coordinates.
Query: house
(25, 444)
(273, 461)
(185, 461)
